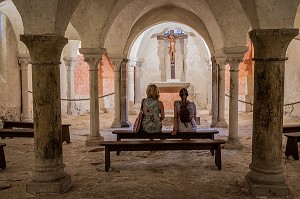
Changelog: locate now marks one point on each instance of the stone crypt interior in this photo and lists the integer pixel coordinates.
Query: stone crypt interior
(88, 63)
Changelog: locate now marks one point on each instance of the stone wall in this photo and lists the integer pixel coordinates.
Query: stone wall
(10, 86)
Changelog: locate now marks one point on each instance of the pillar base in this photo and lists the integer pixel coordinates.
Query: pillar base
(221, 124)
(233, 141)
(116, 124)
(26, 119)
(125, 124)
(213, 125)
(93, 141)
(56, 187)
(277, 190)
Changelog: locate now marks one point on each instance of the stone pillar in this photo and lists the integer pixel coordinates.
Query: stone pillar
(123, 94)
(214, 93)
(266, 177)
(117, 120)
(233, 99)
(101, 92)
(48, 174)
(138, 74)
(24, 60)
(131, 80)
(221, 91)
(93, 56)
(70, 62)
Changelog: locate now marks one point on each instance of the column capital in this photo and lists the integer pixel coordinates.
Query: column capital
(23, 57)
(24, 60)
(220, 59)
(70, 59)
(92, 56)
(118, 63)
(69, 62)
(44, 49)
(234, 63)
(92, 52)
(272, 42)
(222, 63)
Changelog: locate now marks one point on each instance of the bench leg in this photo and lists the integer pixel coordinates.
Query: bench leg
(292, 148)
(2, 158)
(65, 134)
(107, 158)
(218, 161)
(118, 139)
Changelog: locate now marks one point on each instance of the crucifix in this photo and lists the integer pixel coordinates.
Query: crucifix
(172, 51)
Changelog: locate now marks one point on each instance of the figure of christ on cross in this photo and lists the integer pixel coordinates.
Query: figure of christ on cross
(172, 51)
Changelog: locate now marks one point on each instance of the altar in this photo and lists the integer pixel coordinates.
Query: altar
(169, 92)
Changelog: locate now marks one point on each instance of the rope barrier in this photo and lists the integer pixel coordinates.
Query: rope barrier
(289, 104)
(241, 100)
(83, 98)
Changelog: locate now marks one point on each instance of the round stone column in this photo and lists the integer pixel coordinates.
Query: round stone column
(221, 97)
(266, 177)
(48, 174)
(70, 62)
(93, 57)
(214, 93)
(138, 74)
(24, 61)
(123, 94)
(233, 99)
(117, 65)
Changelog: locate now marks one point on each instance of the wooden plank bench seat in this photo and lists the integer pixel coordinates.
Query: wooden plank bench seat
(166, 134)
(159, 145)
(2, 156)
(292, 145)
(289, 128)
(8, 124)
(27, 132)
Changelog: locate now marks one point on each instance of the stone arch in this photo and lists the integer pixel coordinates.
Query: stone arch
(7, 33)
(169, 14)
(71, 33)
(16, 21)
(198, 11)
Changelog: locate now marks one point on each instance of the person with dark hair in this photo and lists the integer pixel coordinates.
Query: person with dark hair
(153, 110)
(184, 114)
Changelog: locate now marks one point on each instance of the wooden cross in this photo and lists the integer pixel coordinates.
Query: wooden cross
(172, 39)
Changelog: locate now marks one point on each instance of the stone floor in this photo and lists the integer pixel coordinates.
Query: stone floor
(157, 175)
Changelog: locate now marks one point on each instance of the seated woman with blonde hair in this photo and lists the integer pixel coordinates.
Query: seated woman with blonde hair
(190, 114)
(153, 110)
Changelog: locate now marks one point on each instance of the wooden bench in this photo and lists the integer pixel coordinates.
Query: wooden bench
(21, 124)
(2, 156)
(27, 132)
(292, 132)
(159, 145)
(165, 134)
(292, 145)
(291, 128)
